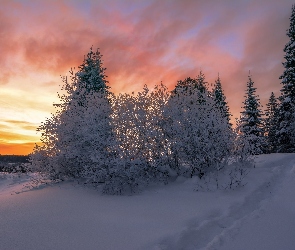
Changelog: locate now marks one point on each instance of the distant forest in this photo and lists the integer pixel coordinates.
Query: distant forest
(14, 158)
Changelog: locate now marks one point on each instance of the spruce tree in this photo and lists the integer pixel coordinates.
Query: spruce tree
(271, 123)
(77, 140)
(91, 75)
(287, 98)
(89, 79)
(201, 83)
(250, 124)
(220, 100)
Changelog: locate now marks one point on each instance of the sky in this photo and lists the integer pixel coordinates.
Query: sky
(142, 42)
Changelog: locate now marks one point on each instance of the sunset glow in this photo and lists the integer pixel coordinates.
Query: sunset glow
(142, 42)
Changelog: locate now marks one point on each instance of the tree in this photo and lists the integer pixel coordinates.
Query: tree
(250, 124)
(128, 141)
(88, 79)
(198, 136)
(220, 100)
(271, 123)
(91, 74)
(188, 84)
(77, 140)
(142, 157)
(287, 98)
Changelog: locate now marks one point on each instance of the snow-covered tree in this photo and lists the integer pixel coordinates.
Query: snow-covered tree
(128, 141)
(77, 140)
(196, 87)
(250, 124)
(91, 74)
(220, 100)
(188, 84)
(287, 98)
(137, 121)
(271, 124)
(199, 137)
(201, 82)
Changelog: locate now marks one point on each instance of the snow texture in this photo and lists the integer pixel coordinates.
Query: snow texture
(260, 215)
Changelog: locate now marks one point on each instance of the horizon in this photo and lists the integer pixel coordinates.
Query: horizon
(142, 42)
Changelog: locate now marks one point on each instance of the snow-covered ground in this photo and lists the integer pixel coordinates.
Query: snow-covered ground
(260, 215)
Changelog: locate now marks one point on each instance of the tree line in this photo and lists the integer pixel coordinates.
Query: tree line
(128, 141)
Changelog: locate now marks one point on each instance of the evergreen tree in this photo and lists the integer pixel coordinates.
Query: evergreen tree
(77, 140)
(198, 136)
(91, 75)
(184, 85)
(287, 98)
(201, 83)
(271, 123)
(250, 124)
(220, 100)
(188, 84)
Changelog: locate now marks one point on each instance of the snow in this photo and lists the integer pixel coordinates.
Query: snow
(260, 215)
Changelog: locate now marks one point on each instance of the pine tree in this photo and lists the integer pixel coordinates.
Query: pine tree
(220, 100)
(271, 123)
(91, 75)
(201, 83)
(90, 78)
(250, 124)
(77, 140)
(287, 98)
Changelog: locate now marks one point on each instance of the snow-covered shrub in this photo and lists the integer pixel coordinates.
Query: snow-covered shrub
(131, 176)
(136, 121)
(15, 167)
(126, 177)
(141, 148)
(231, 177)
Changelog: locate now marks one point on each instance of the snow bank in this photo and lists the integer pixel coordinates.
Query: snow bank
(67, 216)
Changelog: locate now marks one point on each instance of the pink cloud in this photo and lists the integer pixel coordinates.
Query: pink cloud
(151, 41)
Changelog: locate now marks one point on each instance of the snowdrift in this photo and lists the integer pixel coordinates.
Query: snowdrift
(260, 215)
